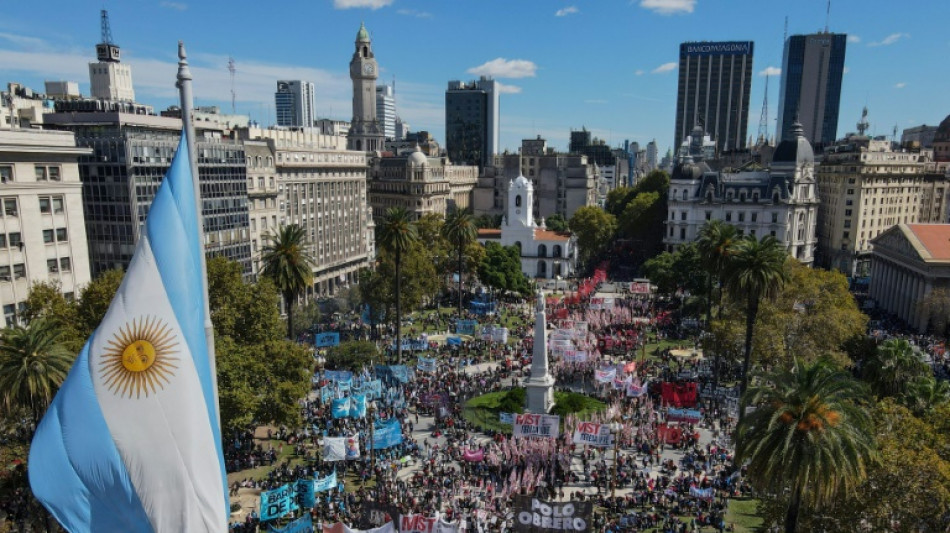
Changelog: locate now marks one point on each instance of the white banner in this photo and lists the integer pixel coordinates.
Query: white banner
(592, 434)
(334, 448)
(531, 425)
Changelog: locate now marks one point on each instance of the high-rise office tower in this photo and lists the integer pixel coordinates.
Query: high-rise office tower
(366, 132)
(471, 121)
(812, 68)
(295, 102)
(386, 109)
(713, 92)
(108, 78)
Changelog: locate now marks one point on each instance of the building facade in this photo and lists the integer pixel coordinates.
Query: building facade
(366, 131)
(561, 183)
(130, 156)
(295, 103)
(781, 201)
(109, 79)
(919, 136)
(909, 261)
(812, 69)
(544, 253)
(263, 196)
(865, 187)
(386, 110)
(420, 184)
(472, 121)
(42, 235)
(715, 79)
(322, 187)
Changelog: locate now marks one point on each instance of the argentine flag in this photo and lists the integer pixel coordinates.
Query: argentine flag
(131, 441)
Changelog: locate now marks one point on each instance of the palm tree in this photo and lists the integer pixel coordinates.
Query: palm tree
(755, 271)
(397, 234)
(459, 229)
(893, 365)
(288, 261)
(925, 393)
(809, 435)
(716, 244)
(33, 364)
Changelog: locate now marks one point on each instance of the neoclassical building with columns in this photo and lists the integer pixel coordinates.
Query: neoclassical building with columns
(909, 261)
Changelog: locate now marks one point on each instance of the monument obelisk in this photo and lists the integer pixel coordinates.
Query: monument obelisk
(540, 386)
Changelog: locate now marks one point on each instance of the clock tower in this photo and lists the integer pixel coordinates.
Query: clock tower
(366, 132)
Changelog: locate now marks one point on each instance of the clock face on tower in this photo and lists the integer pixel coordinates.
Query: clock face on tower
(368, 68)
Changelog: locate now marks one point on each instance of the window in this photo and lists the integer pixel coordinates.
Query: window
(6, 173)
(3, 240)
(19, 271)
(741, 216)
(263, 223)
(60, 234)
(683, 234)
(685, 193)
(708, 215)
(9, 207)
(5, 273)
(48, 236)
(40, 173)
(683, 215)
(774, 218)
(847, 212)
(260, 183)
(729, 216)
(850, 191)
(755, 217)
(45, 205)
(54, 173)
(57, 204)
(52, 265)
(9, 313)
(65, 264)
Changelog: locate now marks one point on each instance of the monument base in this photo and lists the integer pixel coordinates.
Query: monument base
(539, 395)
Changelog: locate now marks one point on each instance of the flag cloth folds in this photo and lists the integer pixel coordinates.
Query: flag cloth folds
(131, 441)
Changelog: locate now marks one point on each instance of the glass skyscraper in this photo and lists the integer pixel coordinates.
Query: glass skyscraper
(812, 68)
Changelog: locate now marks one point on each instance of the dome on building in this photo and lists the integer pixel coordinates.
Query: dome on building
(796, 149)
(687, 170)
(362, 35)
(521, 182)
(417, 158)
(943, 131)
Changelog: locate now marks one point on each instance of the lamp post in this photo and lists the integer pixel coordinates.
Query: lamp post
(371, 412)
(615, 428)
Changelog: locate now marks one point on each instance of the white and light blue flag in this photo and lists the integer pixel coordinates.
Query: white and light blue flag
(132, 441)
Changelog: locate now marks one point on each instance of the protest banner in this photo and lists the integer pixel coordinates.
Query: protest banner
(531, 425)
(473, 456)
(605, 375)
(387, 435)
(351, 446)
(340, 408)
(690, 416)
(426, 364)
(326, 339)
(278, 502)
(453, 341)
(537, 515)
(466, 327)
(703, 494)
(304, 524)
(417, 523)
(340, 527)
(325, 483)
(500, 335)
(592, 434)
(306, 496)
(376, 514)
(334, 449)
(338, 375)
(506, 418)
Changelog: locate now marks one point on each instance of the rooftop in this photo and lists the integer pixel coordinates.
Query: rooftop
(935, 238)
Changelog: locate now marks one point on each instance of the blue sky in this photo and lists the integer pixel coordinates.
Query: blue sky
(602, 64)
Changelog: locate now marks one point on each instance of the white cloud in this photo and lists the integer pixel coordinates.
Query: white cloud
(770, 71)
(414, 13)
(24, 41)
(890, 39)
(177, 6)
(505, 68)
(669, 7)
(665, 67)
(350, 4)
(569, 10)
(639, 72)
(846, 70)
(854, 39)
(508, 89)
(900, 85)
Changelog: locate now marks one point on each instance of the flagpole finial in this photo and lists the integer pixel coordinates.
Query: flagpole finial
(184, 73)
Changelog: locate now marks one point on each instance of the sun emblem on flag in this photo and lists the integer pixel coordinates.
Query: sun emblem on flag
(137, 359)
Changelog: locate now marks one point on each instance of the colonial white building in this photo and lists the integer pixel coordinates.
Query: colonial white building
(781, 201)
(544, 253)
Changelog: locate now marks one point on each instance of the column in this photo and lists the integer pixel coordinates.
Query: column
(889, 288)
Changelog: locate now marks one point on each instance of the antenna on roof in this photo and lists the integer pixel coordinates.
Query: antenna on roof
(106, 29)
(231, 69)
(785, 37)
(764, 118)
(827, 16)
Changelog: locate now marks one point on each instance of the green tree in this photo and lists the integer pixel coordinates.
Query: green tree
(716, 244)
(33, 364)
(488, 221)
(306, 315)
(657, 181)
(352, 355)
(95, 300)
(247, 312)
(397, 234)
(617, 200)
(638, 215)
(46, 300)
(289, 264)
(755, 272)
(501, 269)
(809, 435)
(894, 364)
(924, 394)
(460, 231)
(557, 223)
(936, 307)
(660, 270)
(594, 228)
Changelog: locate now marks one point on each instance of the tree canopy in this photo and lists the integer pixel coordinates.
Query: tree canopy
(501, 269)
(594, 229)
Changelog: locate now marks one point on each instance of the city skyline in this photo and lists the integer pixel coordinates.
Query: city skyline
(558, 67)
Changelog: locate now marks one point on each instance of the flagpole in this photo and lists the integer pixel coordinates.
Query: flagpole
(187, 110)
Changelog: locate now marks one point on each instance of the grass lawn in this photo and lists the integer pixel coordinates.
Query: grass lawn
(286, 453)
(482, 411)
(742, 513)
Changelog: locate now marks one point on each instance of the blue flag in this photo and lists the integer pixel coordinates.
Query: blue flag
(131, 441)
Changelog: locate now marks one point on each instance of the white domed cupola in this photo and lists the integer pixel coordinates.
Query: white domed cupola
(520, 202)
